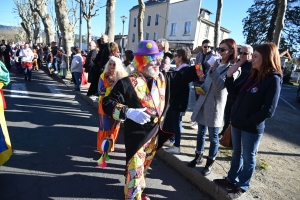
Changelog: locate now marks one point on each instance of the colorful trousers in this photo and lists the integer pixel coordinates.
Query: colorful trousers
(136, 170)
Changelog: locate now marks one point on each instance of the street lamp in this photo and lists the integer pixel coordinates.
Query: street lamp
(122, 49)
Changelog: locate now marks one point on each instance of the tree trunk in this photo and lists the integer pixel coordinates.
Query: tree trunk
(36, 27)
(279, 21)
(141, 17)
(218, 22)
(65, 27)
(271, 29)
(46, 19)
(110, 19)
(27, 30)
(89, 30)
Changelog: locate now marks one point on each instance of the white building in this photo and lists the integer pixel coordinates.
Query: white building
(181, 22)
(189, 25)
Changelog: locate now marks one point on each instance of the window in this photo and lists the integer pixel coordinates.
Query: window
(156, 19)
(147, 35)
(149, 20)
(173, 28)
(155, 36)
(133, 37)
(134, 22)
(187, 28)
(206, 31)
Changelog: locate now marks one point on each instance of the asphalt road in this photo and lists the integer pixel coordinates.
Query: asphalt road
(53, 136)
(288, 97)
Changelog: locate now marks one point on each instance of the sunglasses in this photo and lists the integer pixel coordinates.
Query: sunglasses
(112, 64)
(222, 49)
(244, 53)
(205, 47)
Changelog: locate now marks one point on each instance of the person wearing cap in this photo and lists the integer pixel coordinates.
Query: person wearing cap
(141, 101)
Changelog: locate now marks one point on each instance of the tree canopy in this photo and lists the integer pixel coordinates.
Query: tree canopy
(259, 25)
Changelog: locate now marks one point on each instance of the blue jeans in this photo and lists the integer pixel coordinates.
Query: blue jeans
(177, 122)
(77, 77)
(27, 72)
(243, 158)
(213, 138)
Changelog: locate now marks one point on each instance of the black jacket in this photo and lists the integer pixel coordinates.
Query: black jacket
(89, 63)
(136, 135)
(179, 99)
(255, 102)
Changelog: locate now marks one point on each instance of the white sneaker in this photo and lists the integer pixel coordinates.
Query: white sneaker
(55, 72)
(194, 125)
(173, 149)
(168, 143)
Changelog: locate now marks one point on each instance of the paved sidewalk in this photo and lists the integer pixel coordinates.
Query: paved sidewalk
(179, 161)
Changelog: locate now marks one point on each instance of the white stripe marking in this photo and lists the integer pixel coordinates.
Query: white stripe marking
(18, 90)
(288, 103)
(55, 91)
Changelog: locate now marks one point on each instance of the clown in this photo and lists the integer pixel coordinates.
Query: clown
(141, 101)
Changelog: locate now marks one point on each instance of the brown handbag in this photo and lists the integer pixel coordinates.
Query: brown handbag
(226, 139)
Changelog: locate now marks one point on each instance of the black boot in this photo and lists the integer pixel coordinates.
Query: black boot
(208, 167)
(197, 160)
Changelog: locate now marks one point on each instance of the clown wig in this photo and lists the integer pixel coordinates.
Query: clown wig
(140, 61)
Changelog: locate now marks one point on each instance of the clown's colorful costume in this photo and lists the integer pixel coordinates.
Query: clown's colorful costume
(5, 145)
(137, 91)
(108, 127)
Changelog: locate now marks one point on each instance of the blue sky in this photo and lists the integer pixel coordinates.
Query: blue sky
(233, 13)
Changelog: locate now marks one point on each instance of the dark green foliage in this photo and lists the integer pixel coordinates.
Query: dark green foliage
(259, 25)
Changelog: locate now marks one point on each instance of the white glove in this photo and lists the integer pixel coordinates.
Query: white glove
(213, 59)
(138, 115)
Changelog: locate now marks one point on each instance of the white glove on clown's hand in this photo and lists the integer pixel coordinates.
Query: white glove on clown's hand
(138, 115)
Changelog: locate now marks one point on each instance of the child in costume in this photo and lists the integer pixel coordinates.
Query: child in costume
(141, 100)
(5, 145)
(108, 127)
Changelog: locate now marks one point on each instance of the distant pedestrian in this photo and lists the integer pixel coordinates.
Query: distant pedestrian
(26, 56)
(64, 64)
(77, 68)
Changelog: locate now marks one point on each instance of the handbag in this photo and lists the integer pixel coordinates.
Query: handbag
(226, 139)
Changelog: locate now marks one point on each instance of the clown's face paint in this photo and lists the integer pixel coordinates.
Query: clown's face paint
(152, 68)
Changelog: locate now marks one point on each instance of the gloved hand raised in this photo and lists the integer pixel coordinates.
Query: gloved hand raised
(138, 115)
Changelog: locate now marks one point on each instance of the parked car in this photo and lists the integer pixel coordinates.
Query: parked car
(173, 65)
(298, 94)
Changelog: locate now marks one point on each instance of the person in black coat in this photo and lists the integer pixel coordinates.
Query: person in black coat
(141, 101)
(257, 99)
(100, 62)
(246, 65)
(179, 100)
(5, 52)
(89, 64)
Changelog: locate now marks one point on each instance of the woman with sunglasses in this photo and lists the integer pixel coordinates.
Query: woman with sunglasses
(256, 101)
(209, 108)
(108, 127)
